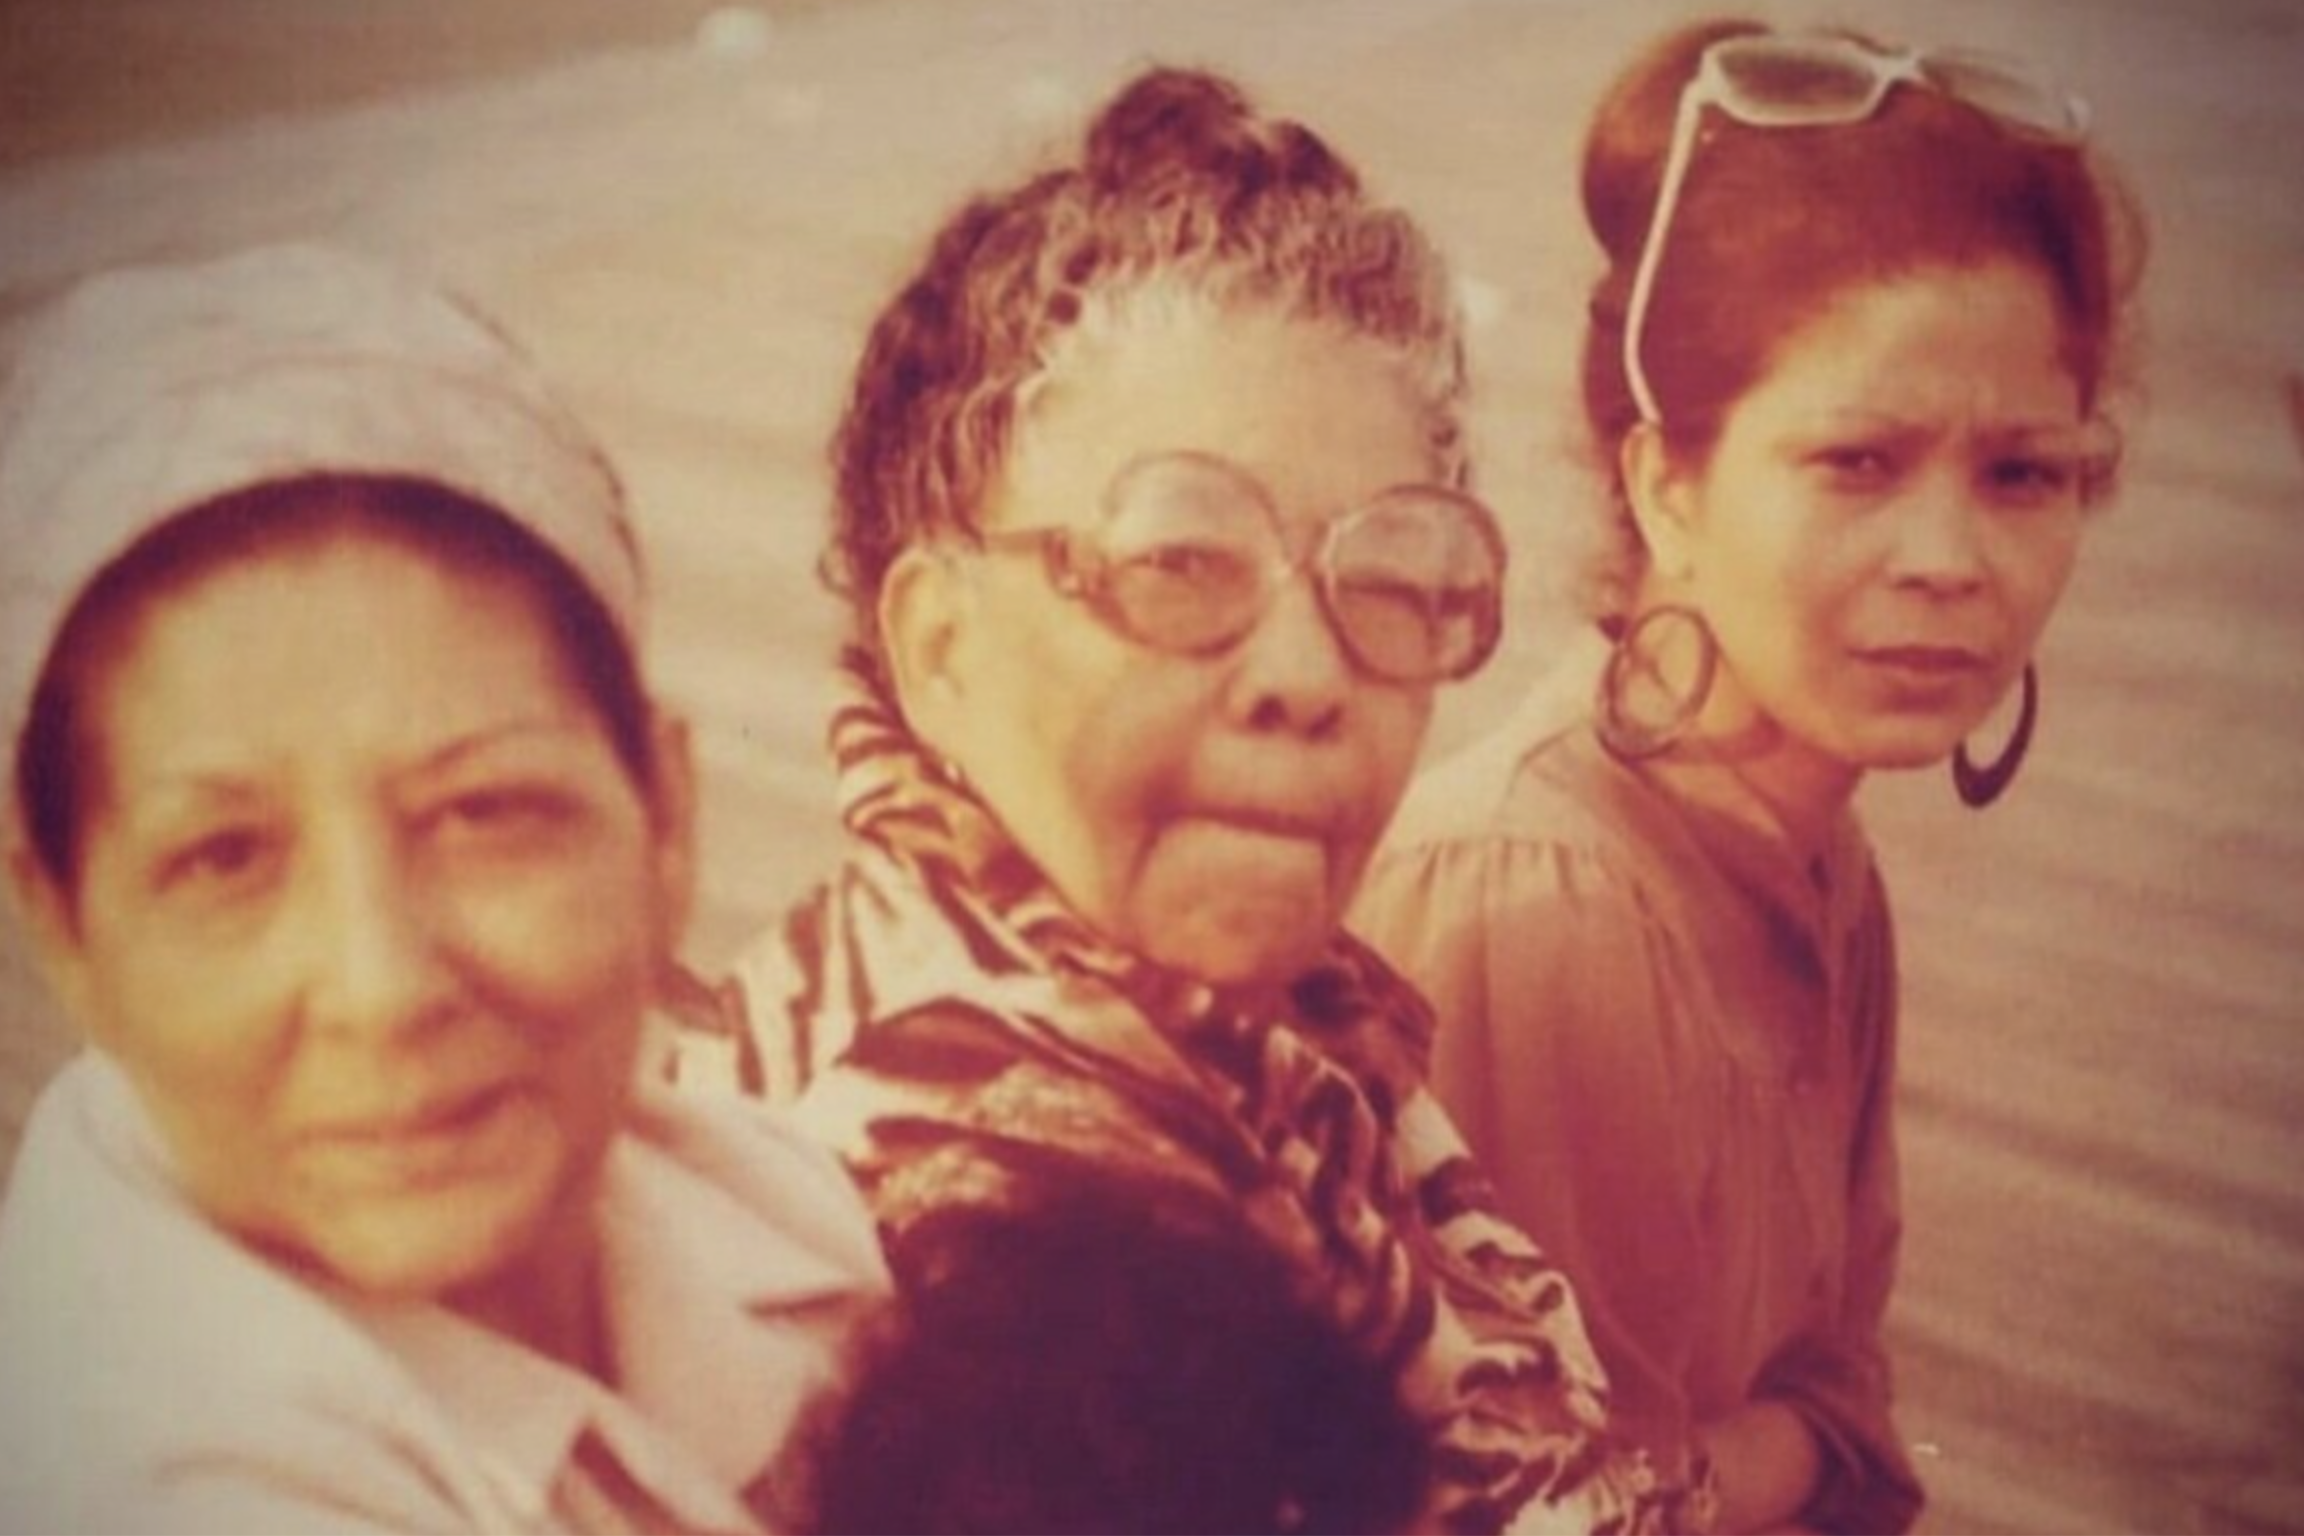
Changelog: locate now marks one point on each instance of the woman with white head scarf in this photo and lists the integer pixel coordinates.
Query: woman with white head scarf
(346, 829)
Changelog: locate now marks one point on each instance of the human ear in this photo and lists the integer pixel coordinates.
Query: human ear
(1662, 497)
(672, 826)
(45, 914)
(926, 603)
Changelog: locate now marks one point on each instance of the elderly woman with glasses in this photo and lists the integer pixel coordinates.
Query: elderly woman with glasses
(1846, 367)
(351, 838)
(1151, 509)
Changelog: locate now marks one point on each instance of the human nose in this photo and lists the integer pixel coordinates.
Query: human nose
(373, 957)
(1292, 675)
(1939, 540)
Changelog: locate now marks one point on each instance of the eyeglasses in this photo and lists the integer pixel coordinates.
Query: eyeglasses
(1190, 554)
(1808, 82)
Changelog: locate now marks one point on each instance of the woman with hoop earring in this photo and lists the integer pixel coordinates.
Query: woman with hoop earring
(1846, 365)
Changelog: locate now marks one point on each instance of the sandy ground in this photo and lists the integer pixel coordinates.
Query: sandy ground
(2101, 1325)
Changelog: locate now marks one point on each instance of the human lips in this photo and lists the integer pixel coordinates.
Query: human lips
(1254, 847)
(1928, 660)
(434, 1141)
(1271, 821)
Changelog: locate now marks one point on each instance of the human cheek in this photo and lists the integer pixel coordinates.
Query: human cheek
(1124, 753)
(195, 1013)
(561, 967)
(207, 1037)
(1775, 614)
(1824, 581)
(557, 944)
(2036, 567)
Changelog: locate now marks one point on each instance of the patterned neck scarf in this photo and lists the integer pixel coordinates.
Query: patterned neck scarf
(960, 1034)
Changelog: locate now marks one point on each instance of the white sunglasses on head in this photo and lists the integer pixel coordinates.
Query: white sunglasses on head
(1815, 81)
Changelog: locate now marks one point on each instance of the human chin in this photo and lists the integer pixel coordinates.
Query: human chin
(1235, 903)
(1906, 748)
(419, 1235)
(1913, 730)
(1891, 739)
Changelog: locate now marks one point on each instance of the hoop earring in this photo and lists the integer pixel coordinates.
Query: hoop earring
(1979, 787)
(1640, 711)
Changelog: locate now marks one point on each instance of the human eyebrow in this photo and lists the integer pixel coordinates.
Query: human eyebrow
(1802, 441)
(554, 764)
(156, 805)
(2072, 439)
(211, 824)
(521, 736)
(1848, 421)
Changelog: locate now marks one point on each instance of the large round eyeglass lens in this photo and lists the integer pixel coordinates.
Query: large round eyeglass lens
(1782, 81)
(1414, 583)
(1187, 547)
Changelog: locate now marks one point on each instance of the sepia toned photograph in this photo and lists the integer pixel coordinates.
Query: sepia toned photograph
(1208, 766)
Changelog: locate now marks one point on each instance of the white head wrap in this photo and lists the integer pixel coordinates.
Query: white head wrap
(147, 391)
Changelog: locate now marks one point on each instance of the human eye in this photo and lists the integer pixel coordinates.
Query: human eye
(1403, 626)
(1186, 595)
(1393, 600)
(505, 814)
(1857, 466)
(2030, 478)
(218, 862)
(1198, 563)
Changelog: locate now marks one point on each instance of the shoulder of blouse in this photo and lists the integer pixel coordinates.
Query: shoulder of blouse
(141, 1340)
(1535, 800)
(1558, 891)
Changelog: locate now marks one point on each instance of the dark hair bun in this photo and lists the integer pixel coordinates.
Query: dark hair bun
(1631, 133)
(1181, 128)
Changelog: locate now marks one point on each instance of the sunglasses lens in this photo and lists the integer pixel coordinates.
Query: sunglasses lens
(1785, 82)
(2004, 89)
(1415, 585)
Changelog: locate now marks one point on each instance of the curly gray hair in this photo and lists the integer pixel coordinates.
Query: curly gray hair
(1181, 188)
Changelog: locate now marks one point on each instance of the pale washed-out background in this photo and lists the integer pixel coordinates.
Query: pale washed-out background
(2101, 1325)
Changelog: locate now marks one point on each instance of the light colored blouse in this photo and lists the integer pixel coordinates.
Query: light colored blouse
(1669, 1035)
(157, 1375)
